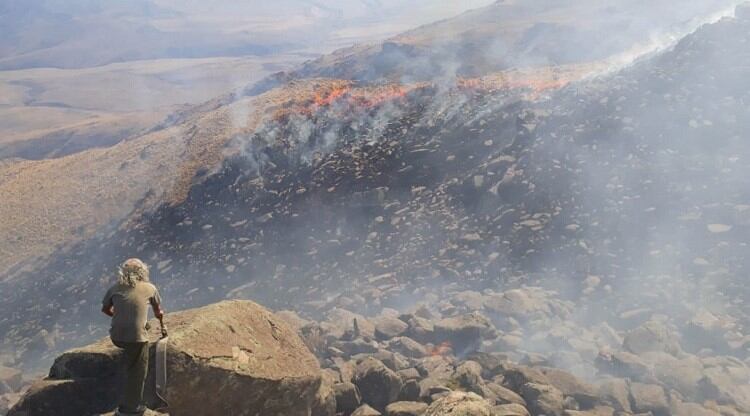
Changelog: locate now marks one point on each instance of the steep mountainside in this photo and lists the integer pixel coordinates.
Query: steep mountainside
(632, 184)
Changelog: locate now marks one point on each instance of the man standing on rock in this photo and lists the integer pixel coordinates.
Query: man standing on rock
(127, 303)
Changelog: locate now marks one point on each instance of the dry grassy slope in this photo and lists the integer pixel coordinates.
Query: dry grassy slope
(47, 204)
(53, 112)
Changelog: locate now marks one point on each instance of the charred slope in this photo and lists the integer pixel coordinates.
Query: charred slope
(635, 178)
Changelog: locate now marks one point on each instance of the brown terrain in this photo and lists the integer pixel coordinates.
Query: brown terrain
(102, 187)
(519, 238)
(49, 113)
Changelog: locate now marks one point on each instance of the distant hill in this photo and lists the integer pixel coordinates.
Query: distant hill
(85, 33)
(517, 34)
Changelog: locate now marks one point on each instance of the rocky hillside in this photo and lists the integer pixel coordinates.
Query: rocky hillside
(628, 187)
(238, 358)
(595, 226)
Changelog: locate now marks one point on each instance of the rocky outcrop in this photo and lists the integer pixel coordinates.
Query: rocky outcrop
(238, 358)
(233, 357)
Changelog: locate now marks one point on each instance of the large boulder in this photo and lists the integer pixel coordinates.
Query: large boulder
(526, 304)
(468, 375)
(570, 385)
(343, 323)
(501, 395)
(406, 409)
(511, 409)
(420, 329)
(366, 410)
(679, 408)
(66, 397)
(653, 336)
(233, 357)
(460, 404)
(616, 392)
(707, 330)
(543, 399)
(464, 333)
(378, 384)
(726, 383)
(622, 364)
(649, 398)
(324, 403)
(387, 327)
(407, 347)
(682, 374)
(348, 398)
(515, 376)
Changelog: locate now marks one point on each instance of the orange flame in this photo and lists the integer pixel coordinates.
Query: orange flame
(322, 100)
(361, 97)
(442, 349)
(352, 99)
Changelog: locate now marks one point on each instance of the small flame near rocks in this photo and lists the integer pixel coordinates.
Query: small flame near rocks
(443, 349)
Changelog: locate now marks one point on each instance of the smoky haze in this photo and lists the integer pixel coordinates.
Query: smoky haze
(83, 33)
(624, 190)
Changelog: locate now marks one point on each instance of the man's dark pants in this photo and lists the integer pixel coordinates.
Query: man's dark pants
(135, 362)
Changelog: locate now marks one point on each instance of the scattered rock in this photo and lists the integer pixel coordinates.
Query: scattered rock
(468, 375)
(406, 409)
(389, 327)
(584, 393)
(543, 399)
(407, 347)
(347, 396)
(366, 410)
(651, 336)
(378, 384)
(649, 398)
(616, 392)
(622, 364)
(464, 333)
(459, 404)
(511, 409)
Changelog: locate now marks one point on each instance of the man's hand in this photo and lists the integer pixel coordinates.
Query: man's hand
(108, 310)
(158, 312)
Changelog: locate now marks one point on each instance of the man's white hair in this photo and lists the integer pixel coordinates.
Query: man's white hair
(132, 271)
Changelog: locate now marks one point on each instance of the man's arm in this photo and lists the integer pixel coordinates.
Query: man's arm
(156, 304)
(108, 310)
(108, 307)
(158, 312)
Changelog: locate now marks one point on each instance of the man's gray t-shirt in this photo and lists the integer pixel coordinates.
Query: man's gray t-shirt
(131, 310)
